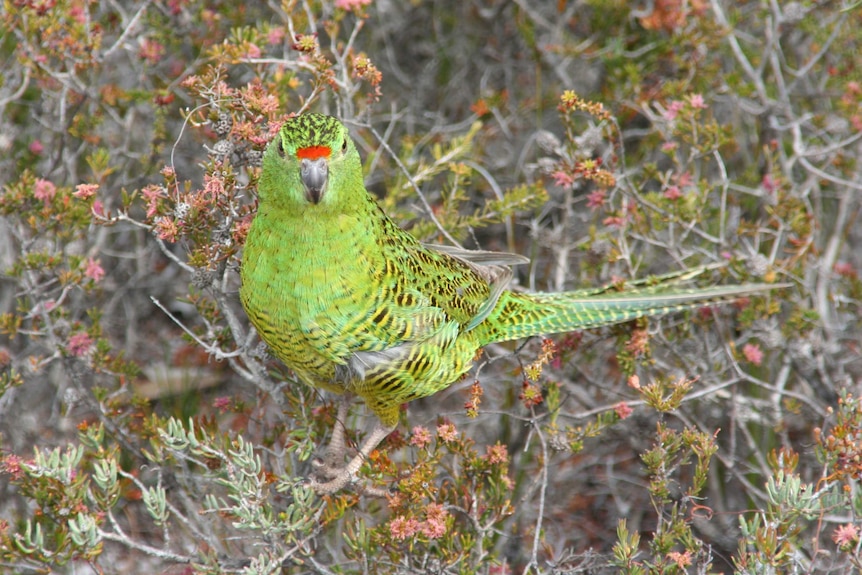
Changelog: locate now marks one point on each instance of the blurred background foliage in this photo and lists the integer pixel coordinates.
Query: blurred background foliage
(144, 430)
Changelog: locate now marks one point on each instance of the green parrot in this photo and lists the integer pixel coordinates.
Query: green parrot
(355, 305)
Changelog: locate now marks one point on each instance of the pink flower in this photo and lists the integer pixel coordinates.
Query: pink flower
(669, 146)
(622, 410)
(434, 525)
(222, 403)
(213, 186)
(682, 560)
(99, 209)
(845, 269)
(562, 179)
(497, 453)
(684, 179)
(167, 229)
(79, 344)
(421, 436)
(153, 194)
(614, 222)
(673, 110)
(351, 4)
(94, 270)
(846, 535)
(672, 193)
(36, 147)
(151, 51)
(436, 512)
(769, 183)
(175, 7)
(401, 528)
(447, 432)
(78, 13)
(252, 51)
(696, 101)
(275, 35)
(13, 465)
(596, 199)
(753, 353)
(84, 191)
(44, 190)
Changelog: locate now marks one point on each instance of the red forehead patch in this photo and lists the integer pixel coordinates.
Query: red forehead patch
(313, 152)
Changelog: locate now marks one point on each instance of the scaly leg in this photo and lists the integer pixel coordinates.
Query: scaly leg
(341, 477)
(333, 458)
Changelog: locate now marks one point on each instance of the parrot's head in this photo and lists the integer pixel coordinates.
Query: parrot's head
(311, 162)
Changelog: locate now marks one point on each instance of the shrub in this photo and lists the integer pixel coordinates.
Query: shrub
(143, 429)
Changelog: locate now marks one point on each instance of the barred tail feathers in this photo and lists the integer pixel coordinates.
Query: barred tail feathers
(520, 315)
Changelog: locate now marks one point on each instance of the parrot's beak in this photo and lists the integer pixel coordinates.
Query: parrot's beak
(314, 175)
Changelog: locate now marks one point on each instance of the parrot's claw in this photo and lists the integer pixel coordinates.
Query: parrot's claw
(338, 480)
(341, 479)
(326, 469)
(335, 477)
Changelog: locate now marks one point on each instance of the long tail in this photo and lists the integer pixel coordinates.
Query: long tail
(519, 315)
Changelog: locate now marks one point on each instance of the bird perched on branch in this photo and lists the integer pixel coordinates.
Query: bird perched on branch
(355, 305)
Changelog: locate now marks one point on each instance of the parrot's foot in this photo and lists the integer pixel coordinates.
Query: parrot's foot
(334, 478)
(326, 469)
(326, 481)
(343, 480)
(332, 463)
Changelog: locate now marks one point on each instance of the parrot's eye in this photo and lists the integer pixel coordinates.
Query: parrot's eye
(280, 147)
(344, 146)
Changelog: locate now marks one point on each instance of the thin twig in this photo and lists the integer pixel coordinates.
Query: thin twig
(419, 193)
